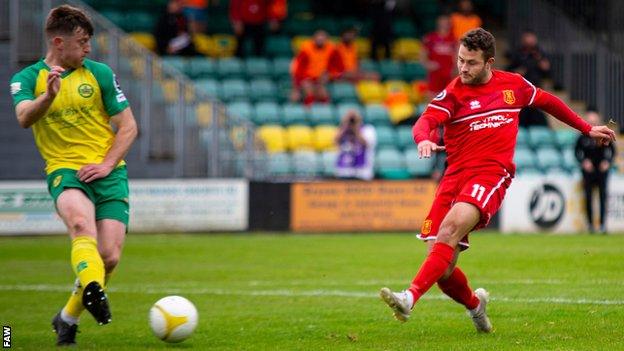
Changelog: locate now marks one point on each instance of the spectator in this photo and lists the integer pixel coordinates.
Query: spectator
(438, 55)
(278, 10)
(344, 63)
(309, 69)
(356, 145)
(249, 18)
(465, 19)
(195, 12)
(531, 62)
(595, 163)
(172, 33)
(381, 13)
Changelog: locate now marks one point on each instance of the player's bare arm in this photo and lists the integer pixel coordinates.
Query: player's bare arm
(127, 131)
(602, 134)
(426, 148)
(30, 111)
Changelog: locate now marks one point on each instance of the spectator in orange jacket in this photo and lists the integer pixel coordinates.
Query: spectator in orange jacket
(249, 18)
(465, 19)
(310, 69)
(345, 62)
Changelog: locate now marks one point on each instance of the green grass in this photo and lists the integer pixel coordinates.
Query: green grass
(319, 292)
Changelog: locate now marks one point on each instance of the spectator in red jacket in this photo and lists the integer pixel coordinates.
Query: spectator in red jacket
(310, 69)
(249, 19)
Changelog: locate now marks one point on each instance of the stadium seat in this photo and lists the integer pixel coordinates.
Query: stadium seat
(569, 159)
(209, 87)
(281, 67)
(343, 108)
(138, 21)
(241, 109)
(267, 113)
(306, 163)
(324, 137)
(234, 89)
(529, 172)
(177, 62)
(386, 137)
(262, 90)
(390, 164)
(328, 159)
(524, 158)
(405, 139)
(322, 114)
(367, 65)
(397, 89)
(391, 69)
(342, 92)
(279, 164)
(230, 68)
(224, 45)
(299, 137)
(284, 89)
(406, 49)
(404, 28)
(298, 27)
(278, 46)
(201, 67)
(401, 112)
(274, 138)
(416, 166)
(294, 114)
(414, 71)
(377, 115)
(257, 67)
(566, 138)
(363, 46)
(370, 92)
(145, 39)
(203, 44)
(540, 137)
(204, 114)
(548, 158)
(522, 140)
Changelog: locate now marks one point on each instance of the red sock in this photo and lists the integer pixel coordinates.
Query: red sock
(456, 287)
(432, 269)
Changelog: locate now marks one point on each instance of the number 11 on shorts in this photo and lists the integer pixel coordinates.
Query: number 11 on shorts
(477, 191)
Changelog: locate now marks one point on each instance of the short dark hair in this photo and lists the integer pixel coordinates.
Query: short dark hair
(66, 19)
(480, 39)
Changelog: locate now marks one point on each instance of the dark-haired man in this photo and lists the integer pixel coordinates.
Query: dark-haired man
(70, 102)
(479, 112)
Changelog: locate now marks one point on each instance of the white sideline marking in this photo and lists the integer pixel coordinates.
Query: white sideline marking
(295, 293)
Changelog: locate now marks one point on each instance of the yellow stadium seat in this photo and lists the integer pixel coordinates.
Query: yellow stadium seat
(406, 49)
(203, 44)
(299, 137)
(296, 43)
(401, 112)
(170, 91)
(370, 91)
(145, 39)
(224, 45)
(324, 138)
(204, 114)
(363, 46)
(274, 137)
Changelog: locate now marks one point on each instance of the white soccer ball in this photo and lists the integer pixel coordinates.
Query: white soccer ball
(173, 318)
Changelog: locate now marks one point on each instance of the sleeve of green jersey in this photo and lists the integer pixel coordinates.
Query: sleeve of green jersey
(23, 86)
(113, 97)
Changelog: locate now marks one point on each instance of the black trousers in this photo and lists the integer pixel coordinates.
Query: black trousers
(590, 181)
(255, 32)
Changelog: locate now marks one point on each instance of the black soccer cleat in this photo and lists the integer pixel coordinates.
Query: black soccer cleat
(95, 301)
(65, 333)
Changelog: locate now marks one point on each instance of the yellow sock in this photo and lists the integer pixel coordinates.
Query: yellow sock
(86, 261)
(74, 306)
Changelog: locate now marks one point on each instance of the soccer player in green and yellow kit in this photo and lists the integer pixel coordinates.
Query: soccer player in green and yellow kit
(70, 102)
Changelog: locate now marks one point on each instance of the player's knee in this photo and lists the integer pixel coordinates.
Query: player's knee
(79, 225)
(111, 259)
(446, 233)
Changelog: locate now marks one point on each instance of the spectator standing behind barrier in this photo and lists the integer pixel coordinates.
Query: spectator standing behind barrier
(309, 69)
(172, 32)
(345, 63)
(596, 161)
(530, 61)
(438, 55)
(465, 19)
(381, 13)
(356, 144)
(249, 18)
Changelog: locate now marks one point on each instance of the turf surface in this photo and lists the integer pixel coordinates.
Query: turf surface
(319, 292)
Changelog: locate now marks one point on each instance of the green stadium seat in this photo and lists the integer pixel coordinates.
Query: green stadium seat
(405, 139)
(569, 159)
(267, 113)
(540, 137)
(343, 108)
(377, 115)
(262, 90)
(210, 87)
(201, 67)
(117, 17)
(529, 172)
(177, 62)
(139, 21)
(329, 24)
(386, 137)
(284, 88)
(280, 164)
(278, 46)
(404, 28)
(328, 159)
(241, 109)
(294, 27)
(322, 114)
(524, 158)
(522, 140)
(414, 71)
(418, 167)
(367, 65)
(281, 67)
(230, 68)
(342, 92)
(306, 163)
(256, 67)
(566, 138)
(234, 89)
(548, 158)
(390, 164)
(294, 114)
(391, 70)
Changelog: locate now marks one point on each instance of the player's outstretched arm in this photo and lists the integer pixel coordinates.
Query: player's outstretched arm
(126, 133)
(422, 131)
(30, 111)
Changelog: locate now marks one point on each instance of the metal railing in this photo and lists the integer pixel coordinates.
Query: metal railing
(179, 125)
(582, 63)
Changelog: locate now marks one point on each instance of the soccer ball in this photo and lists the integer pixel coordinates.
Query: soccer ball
(173, 318)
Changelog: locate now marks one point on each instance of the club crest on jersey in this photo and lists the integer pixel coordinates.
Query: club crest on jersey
(508, 97)
(474, 104)
(85, 90)
(426, 228)
(440, 96)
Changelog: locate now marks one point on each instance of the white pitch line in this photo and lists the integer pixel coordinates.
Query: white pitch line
(295, 293)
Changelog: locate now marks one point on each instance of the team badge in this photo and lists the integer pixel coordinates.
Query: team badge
(85, 90)
(426, 227)
(57, 180)
(508, 97)
(440, 96)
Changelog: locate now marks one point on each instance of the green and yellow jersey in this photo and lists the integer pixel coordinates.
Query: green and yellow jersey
(75, 130)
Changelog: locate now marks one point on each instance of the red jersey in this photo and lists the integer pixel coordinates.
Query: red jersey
(481, 121)
(441, 50)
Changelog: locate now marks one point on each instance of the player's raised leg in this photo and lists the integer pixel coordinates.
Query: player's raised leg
(111, 236)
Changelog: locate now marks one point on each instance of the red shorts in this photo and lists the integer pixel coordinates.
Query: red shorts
(483, 187)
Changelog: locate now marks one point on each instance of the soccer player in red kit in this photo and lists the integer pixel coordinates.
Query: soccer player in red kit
(479, 111)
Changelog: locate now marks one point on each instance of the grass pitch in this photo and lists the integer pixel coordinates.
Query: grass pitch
(319, 292)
